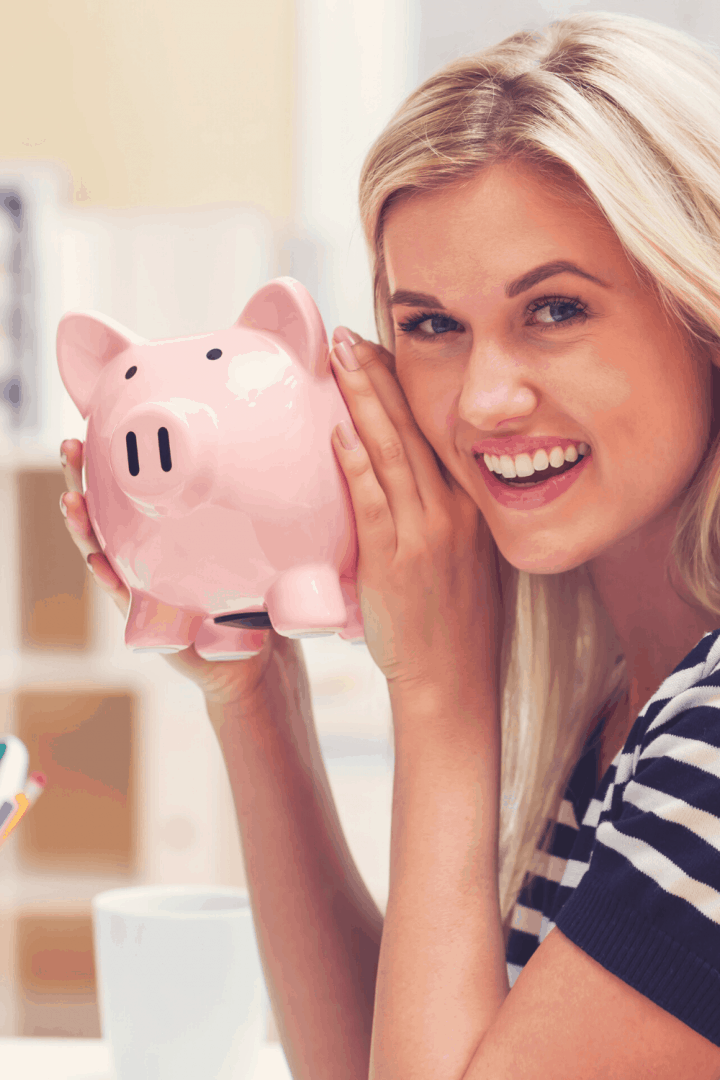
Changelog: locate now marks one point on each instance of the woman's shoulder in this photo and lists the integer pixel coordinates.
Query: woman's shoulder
(685, 705)
(641, 824)
(644, 868)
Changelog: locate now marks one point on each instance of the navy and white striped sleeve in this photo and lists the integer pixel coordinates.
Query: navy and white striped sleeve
(641, 890)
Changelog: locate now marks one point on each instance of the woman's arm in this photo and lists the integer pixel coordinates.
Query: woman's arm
(442, 977)
(432, 608)
(318, 928)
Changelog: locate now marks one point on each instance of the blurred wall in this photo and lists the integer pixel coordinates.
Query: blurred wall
(162, 103)
(356, 62)
(168, 160)
(452, 28)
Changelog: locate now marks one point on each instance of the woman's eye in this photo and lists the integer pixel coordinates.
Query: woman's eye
(556, 310)
(429, 324)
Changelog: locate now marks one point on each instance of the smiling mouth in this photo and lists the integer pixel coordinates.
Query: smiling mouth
(538, 477)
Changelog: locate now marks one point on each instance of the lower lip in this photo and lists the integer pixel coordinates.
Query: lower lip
(531, 498)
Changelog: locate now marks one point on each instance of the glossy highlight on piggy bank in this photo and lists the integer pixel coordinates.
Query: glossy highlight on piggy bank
(210, 478)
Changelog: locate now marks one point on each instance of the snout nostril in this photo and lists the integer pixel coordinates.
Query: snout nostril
(164, 444)
(132, 453)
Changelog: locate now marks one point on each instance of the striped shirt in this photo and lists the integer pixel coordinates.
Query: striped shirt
(633, 876)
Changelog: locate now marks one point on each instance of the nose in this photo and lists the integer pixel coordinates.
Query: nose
(163, 445)
(149, 452)
(158, 459)
(497, 386)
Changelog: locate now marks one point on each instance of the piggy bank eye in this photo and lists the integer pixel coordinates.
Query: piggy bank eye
(214, 354)
(130, 372)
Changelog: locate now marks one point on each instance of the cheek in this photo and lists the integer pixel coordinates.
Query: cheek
(669, 425)
(585, 387)
(431, 394)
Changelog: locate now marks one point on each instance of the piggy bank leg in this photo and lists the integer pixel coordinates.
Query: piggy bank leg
(155, 627)
(218, 641)
(307, 601)
(354, 631)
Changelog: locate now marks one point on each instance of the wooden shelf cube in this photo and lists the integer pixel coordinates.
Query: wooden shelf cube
(54, 604)
(55, 968)
(84, 743)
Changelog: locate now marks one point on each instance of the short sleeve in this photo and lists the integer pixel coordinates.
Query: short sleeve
(641, 890)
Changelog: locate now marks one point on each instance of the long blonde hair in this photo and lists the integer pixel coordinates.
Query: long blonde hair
(631, 109)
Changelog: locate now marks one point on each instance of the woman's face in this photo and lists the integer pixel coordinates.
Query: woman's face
(548, 378)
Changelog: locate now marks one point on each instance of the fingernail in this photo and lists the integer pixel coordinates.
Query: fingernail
(346, 356)
(63, 507)
(342, 333)
(347, 435)
(90, 565)
(63, 459)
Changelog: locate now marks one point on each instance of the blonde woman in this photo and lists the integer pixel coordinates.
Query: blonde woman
(533, 471)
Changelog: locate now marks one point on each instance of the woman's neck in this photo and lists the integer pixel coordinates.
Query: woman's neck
(656, 621)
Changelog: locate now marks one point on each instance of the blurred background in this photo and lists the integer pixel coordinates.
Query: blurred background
(159, 161)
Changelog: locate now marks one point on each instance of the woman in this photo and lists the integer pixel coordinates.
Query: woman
(533, 472)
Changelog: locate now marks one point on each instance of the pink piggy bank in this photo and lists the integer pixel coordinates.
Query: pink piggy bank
(210, 478)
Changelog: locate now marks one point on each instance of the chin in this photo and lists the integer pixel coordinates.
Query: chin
(556, 566)
(543, 559)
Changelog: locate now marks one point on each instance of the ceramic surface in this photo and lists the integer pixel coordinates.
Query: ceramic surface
(210, 478)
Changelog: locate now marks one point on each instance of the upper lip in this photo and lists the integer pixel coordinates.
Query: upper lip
(523, 444)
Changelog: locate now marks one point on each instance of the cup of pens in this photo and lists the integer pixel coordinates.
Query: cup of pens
(18, 791)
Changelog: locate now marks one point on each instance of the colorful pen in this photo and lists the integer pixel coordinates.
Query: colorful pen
(22, 803)
(13, 767)
(34, 787)
(7, 808)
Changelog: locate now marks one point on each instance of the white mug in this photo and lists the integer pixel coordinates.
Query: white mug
(180, 985)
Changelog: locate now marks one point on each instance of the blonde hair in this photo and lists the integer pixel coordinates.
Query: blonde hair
(631, 110)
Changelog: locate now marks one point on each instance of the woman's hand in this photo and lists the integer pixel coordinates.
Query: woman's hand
(223, 681)
(427, 572)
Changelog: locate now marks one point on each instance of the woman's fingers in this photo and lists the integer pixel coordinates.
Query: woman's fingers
(71, 451)
(375, 525)
(380, 475)
(403, 461)
(77, 522)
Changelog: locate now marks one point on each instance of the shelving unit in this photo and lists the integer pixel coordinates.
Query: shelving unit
(137, 792)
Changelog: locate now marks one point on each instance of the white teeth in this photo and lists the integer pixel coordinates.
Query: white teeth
(524, 465)
(507, 467)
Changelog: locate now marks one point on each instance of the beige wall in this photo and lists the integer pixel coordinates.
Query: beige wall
(153, 102)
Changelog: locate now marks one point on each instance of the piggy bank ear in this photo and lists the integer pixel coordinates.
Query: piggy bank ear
(86, 341)
(284, 307)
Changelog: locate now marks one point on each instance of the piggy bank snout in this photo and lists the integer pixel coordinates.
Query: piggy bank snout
(161, 459)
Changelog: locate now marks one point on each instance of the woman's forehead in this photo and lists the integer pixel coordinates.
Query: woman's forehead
(504, 185)
(500, 223)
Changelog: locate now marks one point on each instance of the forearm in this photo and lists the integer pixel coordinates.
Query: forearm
(442, 976)
(318, 928)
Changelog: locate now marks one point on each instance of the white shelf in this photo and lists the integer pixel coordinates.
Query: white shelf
(89, 1059)
(186, 825)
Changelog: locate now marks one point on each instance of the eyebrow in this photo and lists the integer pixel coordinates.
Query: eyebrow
(549, 269)
(405, 298)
